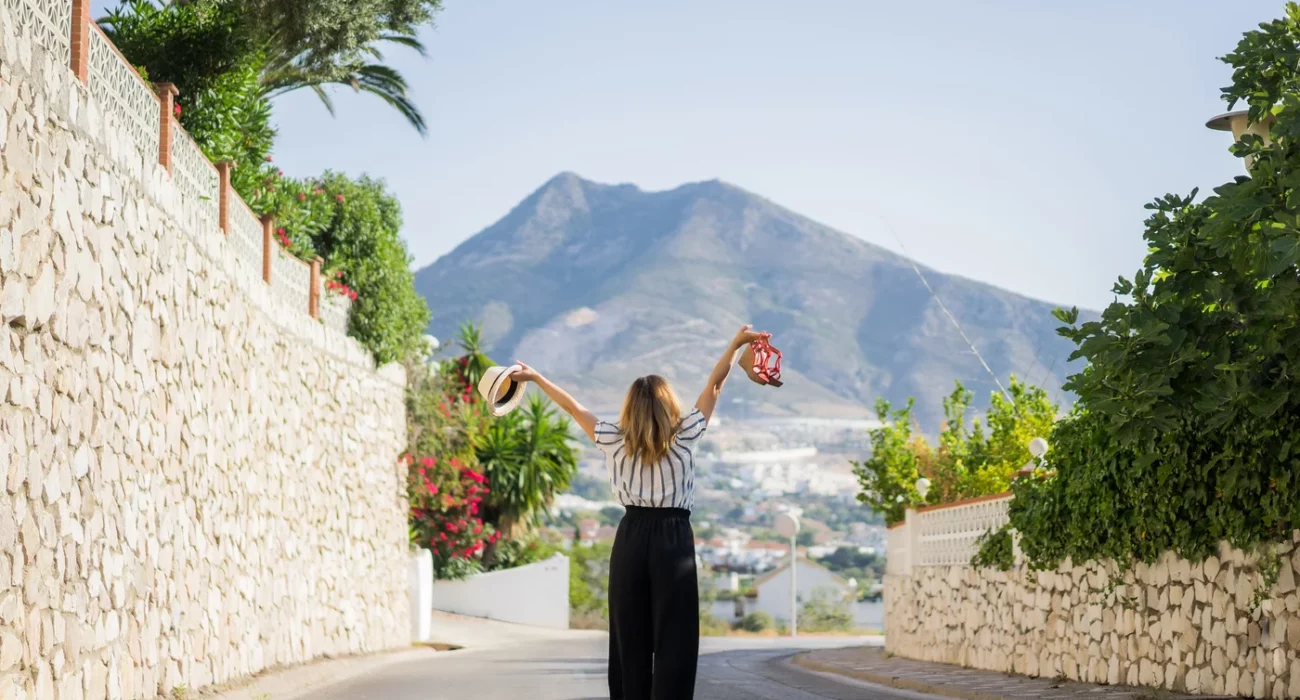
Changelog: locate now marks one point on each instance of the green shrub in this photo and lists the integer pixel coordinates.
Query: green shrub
(205, 49)
(1184, 434)
(757, 621)
(967, 461)
(362, 240)
(995, 550)
(826, 611)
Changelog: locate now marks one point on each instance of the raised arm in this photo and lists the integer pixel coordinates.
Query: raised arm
(585, 419)
(709, 397)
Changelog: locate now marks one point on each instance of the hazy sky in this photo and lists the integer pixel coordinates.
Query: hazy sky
(1012, 141)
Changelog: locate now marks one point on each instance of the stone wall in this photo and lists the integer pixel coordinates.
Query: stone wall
(199, 482)
(1209, 627)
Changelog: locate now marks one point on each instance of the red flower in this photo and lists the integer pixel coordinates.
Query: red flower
(427, 461)
(301, 197)
(339, 274)
(339, 197)
(177, 108)
(268, 159)
(279, 173)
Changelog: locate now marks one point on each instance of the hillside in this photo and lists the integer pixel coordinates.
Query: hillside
(596, 284)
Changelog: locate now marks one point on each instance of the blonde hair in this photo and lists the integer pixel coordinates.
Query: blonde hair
(650, 417)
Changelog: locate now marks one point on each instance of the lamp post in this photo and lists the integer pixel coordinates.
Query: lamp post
(1239, 124)
(787, 525)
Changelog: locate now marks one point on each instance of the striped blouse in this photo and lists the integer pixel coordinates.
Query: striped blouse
(670, 483)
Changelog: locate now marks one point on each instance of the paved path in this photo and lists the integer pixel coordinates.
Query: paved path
(964, 683)
(573, 668)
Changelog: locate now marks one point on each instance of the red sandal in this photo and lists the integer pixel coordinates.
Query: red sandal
(762, 363)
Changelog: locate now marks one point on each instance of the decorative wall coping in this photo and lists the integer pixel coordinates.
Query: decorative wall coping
(963, 502)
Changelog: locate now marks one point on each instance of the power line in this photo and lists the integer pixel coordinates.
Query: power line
(946, 312)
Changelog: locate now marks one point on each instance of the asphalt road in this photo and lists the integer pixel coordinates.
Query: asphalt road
(574, 669)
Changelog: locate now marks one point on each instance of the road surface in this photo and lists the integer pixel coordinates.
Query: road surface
(574, 669)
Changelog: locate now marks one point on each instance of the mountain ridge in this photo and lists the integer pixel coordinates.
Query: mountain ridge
(596, 284)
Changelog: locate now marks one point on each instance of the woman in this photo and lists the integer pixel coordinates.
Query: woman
(654, 611)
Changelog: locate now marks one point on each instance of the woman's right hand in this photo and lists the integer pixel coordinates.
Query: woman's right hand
(747, 335)
(525, 373)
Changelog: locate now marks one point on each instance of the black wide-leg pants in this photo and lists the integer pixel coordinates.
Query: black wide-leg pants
(654, 606)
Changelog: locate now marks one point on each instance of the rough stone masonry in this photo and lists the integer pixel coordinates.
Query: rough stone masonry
(1228, 625)
(196, 483)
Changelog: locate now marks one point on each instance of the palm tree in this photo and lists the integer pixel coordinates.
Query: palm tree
(470, 340)
(310, 44)
(528, 460)
(288, 72)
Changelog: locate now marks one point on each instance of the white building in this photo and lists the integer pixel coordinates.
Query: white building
(773, 588)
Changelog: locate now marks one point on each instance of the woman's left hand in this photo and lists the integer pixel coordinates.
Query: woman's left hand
(525, 373)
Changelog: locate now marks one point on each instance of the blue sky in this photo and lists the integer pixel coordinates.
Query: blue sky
(1012, 141)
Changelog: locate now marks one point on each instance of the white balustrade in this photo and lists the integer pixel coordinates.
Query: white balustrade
(246, 238)
(48, 22)
(335, 310)
(122, 94)
(950, 535)
(896, 550)
(290, 280)
(198, 182)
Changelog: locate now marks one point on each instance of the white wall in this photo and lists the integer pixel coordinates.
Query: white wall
(774, 594)
(537, 594)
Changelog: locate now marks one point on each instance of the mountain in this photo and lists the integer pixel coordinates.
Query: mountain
(597, 284)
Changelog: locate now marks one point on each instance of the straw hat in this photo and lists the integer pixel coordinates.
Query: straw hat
(502, 393)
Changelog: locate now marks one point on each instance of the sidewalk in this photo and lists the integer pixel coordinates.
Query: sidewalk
(450, 634)
(874, 666)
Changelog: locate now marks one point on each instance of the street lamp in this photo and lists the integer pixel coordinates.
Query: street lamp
(787, 525)
(1037, 448)
(1239, 124)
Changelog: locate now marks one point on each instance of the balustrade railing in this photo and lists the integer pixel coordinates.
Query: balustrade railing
(944, 535)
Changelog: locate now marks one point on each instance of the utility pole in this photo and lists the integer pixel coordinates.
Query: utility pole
(787, 524)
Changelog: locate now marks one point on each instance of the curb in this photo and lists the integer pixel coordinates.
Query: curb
(293, 682)
(892, 681)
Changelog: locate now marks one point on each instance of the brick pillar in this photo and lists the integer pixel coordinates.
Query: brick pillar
(223, 195)
(268, 246)
(313, 296)
(80, 39)
(167, 99)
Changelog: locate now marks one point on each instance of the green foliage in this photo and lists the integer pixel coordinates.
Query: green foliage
(1184, 433)
(967, 462)
(316, 44)
(849, 562)
(589, 583)
(826, 611)
(527, 456)
(995, 550)
(757, 621)
(206, 51)
(520, 552)
(362, 239)
(805, 538)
